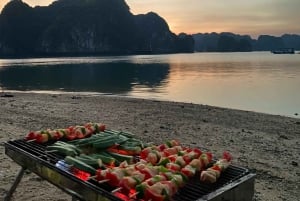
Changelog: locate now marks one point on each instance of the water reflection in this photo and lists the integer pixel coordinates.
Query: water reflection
(96, 77)
(256, 81)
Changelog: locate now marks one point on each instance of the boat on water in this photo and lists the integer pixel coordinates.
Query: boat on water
(284, 51)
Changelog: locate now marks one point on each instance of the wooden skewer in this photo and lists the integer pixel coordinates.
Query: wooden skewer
(116, 190)
(103, 181)
(31, 140)
(93, 177)
(133, 195)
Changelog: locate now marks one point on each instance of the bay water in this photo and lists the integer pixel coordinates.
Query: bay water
(253, 81)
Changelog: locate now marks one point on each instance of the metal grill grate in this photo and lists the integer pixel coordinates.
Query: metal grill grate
(34, 157)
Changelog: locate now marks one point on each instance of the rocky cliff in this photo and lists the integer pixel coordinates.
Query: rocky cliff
(85, 27)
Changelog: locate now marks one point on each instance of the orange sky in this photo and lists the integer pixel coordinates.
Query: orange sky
(255, 17)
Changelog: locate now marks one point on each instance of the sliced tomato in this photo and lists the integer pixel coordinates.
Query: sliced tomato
(42, 138)
(216, 167)
(172, 158)
(187, 158)
(54, 135)
(209, 156)
(197, 151)
(31, 135)
(162, 147)
(144, 153)
(227, 156)
(114, 178)
(71, 136)
(102, 127)
(71, 129)
(173, 167)
(147, 172)
(151, 195)
(188, 171)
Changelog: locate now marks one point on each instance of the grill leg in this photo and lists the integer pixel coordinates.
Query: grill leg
(14, 185)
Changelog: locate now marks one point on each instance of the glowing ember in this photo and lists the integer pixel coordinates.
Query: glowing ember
(80, 174)
(122, 196)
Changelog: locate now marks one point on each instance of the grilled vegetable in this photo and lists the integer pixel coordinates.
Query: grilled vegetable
(129, 182)
(106, 158)
(63, 150)
(105, 143)
(96, 163)
(80, 165)
(213, 173)
(121, 158)
(65, 144)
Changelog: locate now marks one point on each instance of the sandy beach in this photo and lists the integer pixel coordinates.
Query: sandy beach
(268, 145)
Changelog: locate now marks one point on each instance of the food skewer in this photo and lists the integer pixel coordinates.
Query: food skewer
(116, 190)
(103, 181)
(171, 165)
(133, 195)
(211, 174)
(93, 177)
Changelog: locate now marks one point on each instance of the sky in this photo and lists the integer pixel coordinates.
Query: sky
(251, 17)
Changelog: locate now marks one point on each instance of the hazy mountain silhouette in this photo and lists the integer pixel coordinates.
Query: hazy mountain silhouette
(81, 27)
(230, 42)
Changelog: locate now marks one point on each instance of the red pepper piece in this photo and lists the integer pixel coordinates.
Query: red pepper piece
(172, 158)
(31, 135)
(71, 136)
(114, 177)
(198, 151)
(144, 153)
(216, 167)
(187, 158)
(42, 138)
(162, 147)
(188, 171)
(173, 167)
(151, 195)
(147, 172)
(227, 156)
(102, 127)
(209, 156)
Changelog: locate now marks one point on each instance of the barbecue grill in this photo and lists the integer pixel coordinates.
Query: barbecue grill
(235, 184)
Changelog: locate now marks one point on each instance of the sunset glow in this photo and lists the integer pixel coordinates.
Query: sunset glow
(254, 17)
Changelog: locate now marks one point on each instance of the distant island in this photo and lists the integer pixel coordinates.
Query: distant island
(230, 42)
(81, 27)
(107, 27)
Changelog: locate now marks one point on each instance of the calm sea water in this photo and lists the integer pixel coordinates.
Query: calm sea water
(256, 81)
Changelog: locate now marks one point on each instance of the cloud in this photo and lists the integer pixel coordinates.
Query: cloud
(193, 16)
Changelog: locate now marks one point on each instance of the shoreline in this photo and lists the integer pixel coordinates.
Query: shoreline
(265, 144)
(74, 93)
